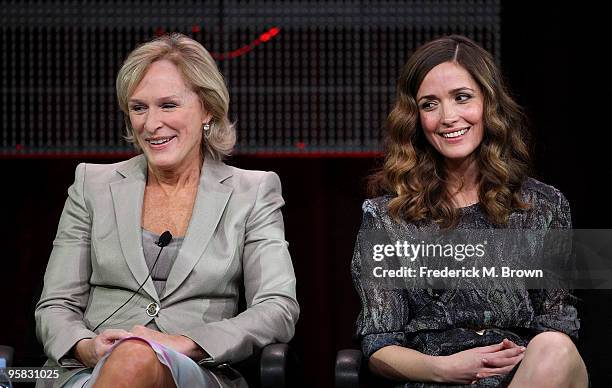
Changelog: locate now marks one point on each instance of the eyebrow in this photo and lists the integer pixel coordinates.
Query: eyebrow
(454, 91)
(165, 98)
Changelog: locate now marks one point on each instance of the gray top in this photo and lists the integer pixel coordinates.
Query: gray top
(160, 273)
(445, 323)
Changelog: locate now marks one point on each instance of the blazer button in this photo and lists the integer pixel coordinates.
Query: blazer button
(152, 309)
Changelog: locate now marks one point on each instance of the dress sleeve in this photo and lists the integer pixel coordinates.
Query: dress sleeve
(384, 312)
(554, 308)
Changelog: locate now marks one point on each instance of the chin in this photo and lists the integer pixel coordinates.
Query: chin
(457, 154)
(160, 161)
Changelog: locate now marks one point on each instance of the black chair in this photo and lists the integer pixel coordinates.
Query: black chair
(7, 353)
(351, 371)
(274, 367)
(348, 368)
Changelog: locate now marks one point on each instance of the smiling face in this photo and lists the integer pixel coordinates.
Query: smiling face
(167, 118)
(450, 111)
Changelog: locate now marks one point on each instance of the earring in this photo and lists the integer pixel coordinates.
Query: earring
(206, 129)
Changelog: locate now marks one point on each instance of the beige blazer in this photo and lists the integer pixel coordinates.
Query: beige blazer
(235, 236)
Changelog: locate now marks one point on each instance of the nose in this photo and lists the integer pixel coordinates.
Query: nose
(449, 114)
(152, 121)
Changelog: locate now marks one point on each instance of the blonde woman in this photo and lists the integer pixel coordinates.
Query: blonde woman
(127, 304)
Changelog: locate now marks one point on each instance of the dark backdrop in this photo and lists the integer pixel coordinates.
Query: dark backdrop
(552, 65)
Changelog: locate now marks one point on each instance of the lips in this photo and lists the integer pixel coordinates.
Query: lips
(454, 133)
(159, 141)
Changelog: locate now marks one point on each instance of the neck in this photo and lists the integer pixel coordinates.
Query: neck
(463, 180)
(173, 179)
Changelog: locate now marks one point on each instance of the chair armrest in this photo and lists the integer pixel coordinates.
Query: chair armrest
(274, 364)
(7, 353)
(348, 368)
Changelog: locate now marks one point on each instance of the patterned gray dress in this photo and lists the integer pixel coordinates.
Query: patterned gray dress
(445, 322)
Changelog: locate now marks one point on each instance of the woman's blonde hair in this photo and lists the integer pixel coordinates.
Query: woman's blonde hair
(201, 74)
(414, 172)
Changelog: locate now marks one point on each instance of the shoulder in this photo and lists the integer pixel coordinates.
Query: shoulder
(549, 206)
(244, 180)
(376, 206)
(376, 212)
(259, 191)
(252, 176)
(541, 194)
(105, 173)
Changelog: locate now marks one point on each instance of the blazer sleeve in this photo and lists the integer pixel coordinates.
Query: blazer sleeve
(269, 284)
(59, 313)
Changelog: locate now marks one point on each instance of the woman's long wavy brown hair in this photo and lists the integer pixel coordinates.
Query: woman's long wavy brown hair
(414, 172)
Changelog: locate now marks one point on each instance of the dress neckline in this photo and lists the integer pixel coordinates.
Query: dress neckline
(471, 207)
(155, 235)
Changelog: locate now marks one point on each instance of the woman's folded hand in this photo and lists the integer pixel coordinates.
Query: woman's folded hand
(179, 343)
(90, 350)
(470, 365)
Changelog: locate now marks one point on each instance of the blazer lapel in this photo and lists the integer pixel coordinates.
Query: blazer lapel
(209, 205)
(128, 195)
